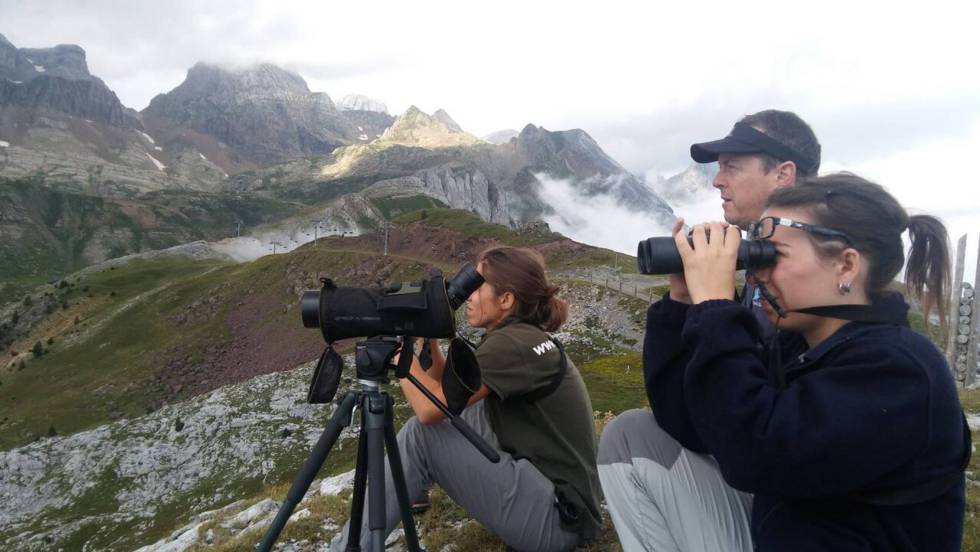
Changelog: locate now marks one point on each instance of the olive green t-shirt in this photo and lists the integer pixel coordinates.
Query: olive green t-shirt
(556, 433)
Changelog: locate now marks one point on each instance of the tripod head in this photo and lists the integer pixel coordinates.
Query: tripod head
(372, 357)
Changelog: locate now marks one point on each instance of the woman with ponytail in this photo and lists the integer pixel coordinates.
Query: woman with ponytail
(844, 432)
(533, 408)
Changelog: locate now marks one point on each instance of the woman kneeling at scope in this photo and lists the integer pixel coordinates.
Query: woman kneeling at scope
(532, 407)
(846, 433)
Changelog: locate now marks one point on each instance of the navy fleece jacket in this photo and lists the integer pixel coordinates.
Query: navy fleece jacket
(874, 407)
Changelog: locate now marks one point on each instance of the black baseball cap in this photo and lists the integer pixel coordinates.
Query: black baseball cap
(744, 139)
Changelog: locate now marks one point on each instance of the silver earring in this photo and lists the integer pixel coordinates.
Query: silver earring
(844, 287)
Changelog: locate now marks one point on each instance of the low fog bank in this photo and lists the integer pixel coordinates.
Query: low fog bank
(274, 241)
(597, 220)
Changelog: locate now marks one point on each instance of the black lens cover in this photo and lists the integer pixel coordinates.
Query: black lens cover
(461, 376)
(326, 377)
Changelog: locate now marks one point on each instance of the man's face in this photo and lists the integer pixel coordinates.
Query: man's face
(745, 186)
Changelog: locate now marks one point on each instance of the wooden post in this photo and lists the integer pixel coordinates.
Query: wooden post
(954, 308)
(971, 352)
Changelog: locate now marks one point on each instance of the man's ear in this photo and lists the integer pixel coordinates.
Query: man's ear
(785, 174)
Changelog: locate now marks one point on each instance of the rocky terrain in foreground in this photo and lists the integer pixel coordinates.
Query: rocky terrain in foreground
(116, 486)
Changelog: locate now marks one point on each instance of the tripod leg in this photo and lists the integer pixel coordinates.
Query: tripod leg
(398, 479)
(336, 424)
(374, 416)
(357, 498)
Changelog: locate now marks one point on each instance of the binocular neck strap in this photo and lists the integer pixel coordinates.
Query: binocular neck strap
(859, 313)
(856, 313)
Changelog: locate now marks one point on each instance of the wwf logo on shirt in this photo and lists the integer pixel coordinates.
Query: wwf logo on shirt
(543, 348)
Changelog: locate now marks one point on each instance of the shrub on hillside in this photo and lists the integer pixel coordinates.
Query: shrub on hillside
(37, 349)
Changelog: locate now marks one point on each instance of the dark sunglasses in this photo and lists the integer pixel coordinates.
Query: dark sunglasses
(766, 227)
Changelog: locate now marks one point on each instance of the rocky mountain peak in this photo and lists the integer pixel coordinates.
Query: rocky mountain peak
(35, 80)
(444, 118)
(64, 60)
(248, 83)
(13, 63)
(360, 102)
(23, 64)
(575, 146)
(267, 113)
(575, 155)
(417, 128)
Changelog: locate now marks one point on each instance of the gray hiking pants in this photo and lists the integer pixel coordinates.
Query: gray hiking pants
(511, 498)
(664, 497)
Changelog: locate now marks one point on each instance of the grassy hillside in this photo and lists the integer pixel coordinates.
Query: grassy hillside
(49, 232)
(126, 340)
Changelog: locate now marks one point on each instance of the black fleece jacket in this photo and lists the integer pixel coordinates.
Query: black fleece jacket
(872, 408)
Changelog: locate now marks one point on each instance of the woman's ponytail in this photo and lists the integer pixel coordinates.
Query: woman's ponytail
(554, 311)
(927, 271)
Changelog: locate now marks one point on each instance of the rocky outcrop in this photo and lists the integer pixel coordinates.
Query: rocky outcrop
(370, 124)
(455, 185)
(64, 60)
(266, 113)
(204, 453)
(444, 118)
(419, 129)
(56, 80)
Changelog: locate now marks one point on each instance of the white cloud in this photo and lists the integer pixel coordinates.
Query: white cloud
(598, 221)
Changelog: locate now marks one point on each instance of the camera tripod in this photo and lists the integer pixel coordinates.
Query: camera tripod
(377, 435)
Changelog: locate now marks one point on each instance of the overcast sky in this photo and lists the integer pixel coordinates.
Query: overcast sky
(893, 94)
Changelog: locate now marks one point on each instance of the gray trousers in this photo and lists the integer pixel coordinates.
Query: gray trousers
(664, 497)
(511, 498)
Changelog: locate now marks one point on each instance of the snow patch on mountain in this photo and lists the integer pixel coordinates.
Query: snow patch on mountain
(156, 162)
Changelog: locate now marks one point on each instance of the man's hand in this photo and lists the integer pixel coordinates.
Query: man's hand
(709, 266)
(678, 286)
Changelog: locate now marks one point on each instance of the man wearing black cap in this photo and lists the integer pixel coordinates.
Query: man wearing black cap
(661, 494)
(764, 151)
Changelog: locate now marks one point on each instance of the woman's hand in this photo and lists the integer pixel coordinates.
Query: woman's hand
(709, 266)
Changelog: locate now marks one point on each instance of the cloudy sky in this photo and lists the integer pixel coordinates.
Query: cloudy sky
(892, 93)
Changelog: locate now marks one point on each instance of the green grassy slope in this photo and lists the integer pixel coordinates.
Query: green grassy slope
(126, 340)
(49, 232)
